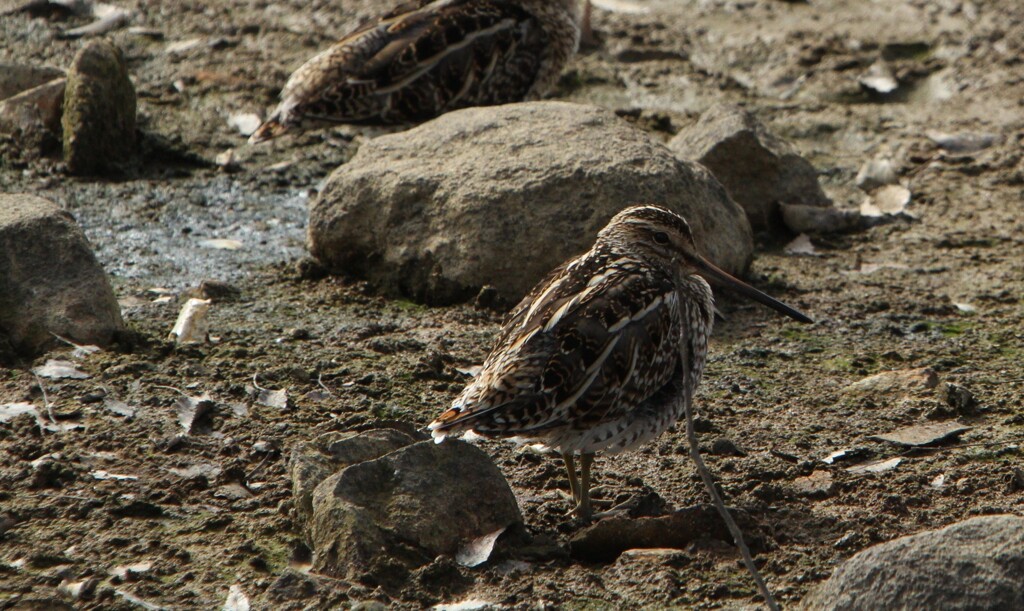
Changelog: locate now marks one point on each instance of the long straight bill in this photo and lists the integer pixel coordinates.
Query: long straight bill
(706, 268)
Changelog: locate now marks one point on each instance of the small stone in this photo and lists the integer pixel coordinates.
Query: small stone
(801, 245)
(181, 47)
(409, 506)
(876, 466)
(964, 142)
(817, 485)
(17, 78)
(959, 398)
(816, 220)
(900, 381)
(79, 590)
(264, 447)
(879, 79)
(299, 334)
(888, 200)
(876, 173)
(34, 113)
(726, 447)
(759, 170)
(227, 161)
(923, 434)
(657, 555)
(313, 462)
(217, 291)
(607, 539)
(848, 540)
(246, 124)
(99, 110)
(232, 492)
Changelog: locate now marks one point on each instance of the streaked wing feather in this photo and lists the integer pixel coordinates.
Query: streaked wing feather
(419, 63)
(581, 364)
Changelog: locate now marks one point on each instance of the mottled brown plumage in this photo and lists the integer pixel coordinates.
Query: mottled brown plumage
(427, 57)
(604, 354)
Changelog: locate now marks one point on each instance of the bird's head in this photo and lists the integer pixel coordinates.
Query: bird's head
(662, 235)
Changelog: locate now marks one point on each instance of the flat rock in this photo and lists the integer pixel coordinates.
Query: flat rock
(974, 564)
(99, 110)
(606, 539)
(923, 434)
(886, 200)
(499, 196)
(817, 485)
(759, 170)
(876, 173)
(50, 281)
(16, 78)
(408, 507)
(815, 220)
(314, 461)
(899, 381)
(34, 112)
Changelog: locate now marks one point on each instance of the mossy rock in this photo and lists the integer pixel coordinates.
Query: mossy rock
(99, 111)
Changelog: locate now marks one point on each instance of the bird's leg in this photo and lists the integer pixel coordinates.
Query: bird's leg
(583, 510)
(574, 484)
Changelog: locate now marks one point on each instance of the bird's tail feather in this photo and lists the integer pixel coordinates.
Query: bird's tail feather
(270, 129)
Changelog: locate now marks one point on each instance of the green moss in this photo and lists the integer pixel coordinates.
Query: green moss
(841, 363)
(405, 305)
(954, 329)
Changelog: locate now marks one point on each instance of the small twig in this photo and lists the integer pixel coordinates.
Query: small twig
(255, 383)
(688, 387)
(320, 383)
(65, 340)
(737, 534)
(177, 390)
(256, 469)
(46, 402)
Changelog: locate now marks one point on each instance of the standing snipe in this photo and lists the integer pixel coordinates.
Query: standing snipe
(427, 57)
(604, 354)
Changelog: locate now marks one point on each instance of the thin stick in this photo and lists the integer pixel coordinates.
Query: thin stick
(689, 387)
(737, 534)
(177, 390)
(256, 384)
(46, 403)
(320, 382)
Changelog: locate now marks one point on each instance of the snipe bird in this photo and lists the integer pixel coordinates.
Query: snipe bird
(606, 352)
(427, 57)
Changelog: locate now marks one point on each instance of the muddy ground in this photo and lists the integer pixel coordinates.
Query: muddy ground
(884, 299)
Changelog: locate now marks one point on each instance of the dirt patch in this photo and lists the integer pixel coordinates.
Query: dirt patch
(207, 510)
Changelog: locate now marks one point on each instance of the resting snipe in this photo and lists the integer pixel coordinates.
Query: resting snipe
(427, 57)
(603, 354)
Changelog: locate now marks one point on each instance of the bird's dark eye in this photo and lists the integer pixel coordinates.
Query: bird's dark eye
(661, 237)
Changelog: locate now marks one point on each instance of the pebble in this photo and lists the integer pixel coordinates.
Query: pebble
(876, 173)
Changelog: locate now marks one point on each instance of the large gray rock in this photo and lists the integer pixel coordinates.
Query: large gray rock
(499, 196)
(50, 281)
(99, 110)
(759, 170)
(408, 507)
(975, 564)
